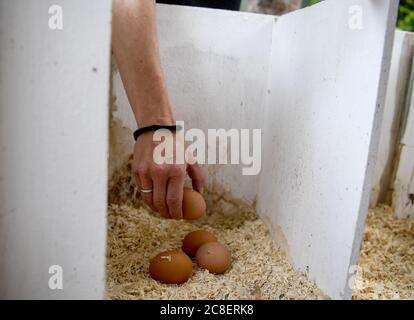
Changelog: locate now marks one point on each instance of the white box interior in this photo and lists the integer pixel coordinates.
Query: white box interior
(310, 80)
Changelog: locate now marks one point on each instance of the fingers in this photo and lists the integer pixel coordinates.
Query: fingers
(144, 181)
(197, 176)
(160, 193)
(167, 185)
(175, 196)
(166, 180)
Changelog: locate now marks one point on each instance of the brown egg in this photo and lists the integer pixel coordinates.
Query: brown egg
(171, 266)
(195, 240)
(214, 257)
(194, 206)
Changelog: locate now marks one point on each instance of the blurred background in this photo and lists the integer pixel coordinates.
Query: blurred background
(279, 7)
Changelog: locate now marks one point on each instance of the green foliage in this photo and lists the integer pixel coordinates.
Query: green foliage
(405, 15)
(311, 2)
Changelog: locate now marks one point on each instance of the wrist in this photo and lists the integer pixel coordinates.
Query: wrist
(152, 128)
(153, 108)
(159, 119)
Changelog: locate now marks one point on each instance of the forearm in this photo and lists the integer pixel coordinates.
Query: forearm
(135, 45)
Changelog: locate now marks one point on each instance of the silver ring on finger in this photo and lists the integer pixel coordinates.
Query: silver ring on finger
(145, 190)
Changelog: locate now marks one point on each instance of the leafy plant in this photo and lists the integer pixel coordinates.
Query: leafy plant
(310, 2)
(406, 15)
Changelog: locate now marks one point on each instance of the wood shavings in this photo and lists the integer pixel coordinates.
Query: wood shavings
(259, 270)
(387, 257)
(135, 234)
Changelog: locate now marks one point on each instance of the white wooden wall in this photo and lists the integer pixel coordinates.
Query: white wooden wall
(318, 145)
(216, 64)
(53, 148)
(394, 172)
(396, 100)
(320, 108)
(322, 129)
(403, 187)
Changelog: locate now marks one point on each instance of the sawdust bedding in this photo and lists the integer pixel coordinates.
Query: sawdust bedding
(259, 270)
(387, 257)
(135, 234)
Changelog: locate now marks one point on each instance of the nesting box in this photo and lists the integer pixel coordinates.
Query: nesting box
(313, 81)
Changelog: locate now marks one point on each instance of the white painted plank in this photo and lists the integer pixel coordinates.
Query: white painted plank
(53, 138)
(321, 133)
(403, 187)
(407, 135)
(394, 104)
(403, 195)
(216, 64)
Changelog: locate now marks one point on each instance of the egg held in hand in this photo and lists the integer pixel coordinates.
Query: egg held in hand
(194, 205)
(194, 240)
(171, 266)
(214, 257)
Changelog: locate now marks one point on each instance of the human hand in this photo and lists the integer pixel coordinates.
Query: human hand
(165, 180)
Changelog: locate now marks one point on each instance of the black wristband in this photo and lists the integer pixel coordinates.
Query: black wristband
(155, 127)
